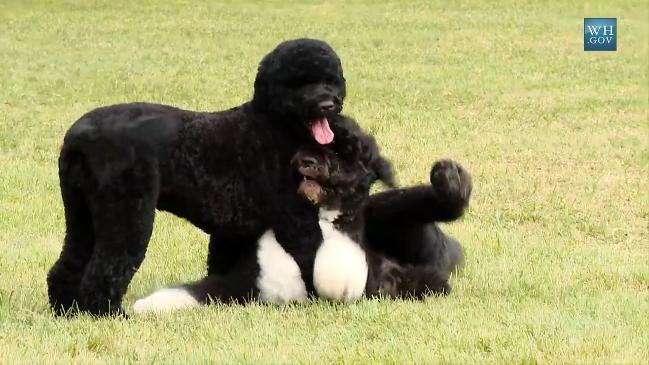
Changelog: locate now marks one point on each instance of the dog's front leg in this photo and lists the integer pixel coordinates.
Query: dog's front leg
(297, 231)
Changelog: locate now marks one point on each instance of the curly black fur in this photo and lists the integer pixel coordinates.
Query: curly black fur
(226, 172)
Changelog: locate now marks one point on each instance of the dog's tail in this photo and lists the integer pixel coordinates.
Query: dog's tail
(384, 172)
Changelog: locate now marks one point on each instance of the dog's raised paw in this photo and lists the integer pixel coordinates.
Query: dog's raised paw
(451, 182)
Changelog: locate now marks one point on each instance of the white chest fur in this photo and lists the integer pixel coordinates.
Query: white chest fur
(340, 269)
(280, 280)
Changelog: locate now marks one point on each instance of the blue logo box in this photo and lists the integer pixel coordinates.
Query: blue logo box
(600, 34)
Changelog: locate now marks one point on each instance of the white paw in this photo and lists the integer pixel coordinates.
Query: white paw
(166, 300)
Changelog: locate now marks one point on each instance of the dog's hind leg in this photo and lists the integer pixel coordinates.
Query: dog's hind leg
(406, 281)
(191, 295)
(238, 285)
(123, 210)
(64, 277)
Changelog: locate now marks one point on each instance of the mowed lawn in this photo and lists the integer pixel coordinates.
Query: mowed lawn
(556, 237)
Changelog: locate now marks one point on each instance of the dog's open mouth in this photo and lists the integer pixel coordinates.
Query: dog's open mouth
(321, 131)
(309, 187)
(311, 190)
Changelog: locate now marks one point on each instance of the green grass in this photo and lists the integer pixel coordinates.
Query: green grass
(556, 139)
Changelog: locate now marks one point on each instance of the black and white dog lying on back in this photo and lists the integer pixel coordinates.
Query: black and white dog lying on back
(350, 261)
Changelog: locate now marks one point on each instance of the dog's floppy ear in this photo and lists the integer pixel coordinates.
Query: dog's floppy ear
(383, 170)
(354, 144)
(381, 167)
(372, 158)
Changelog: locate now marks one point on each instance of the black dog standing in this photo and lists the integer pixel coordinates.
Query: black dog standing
(226, 172)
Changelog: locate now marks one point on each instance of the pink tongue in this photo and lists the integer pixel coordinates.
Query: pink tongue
(321, 131)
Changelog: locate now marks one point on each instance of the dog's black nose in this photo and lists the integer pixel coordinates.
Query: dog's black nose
(327, 105)
(308, 161)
